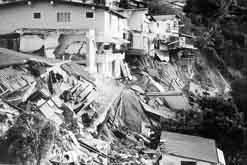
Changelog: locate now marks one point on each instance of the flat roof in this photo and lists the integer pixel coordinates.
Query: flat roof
(191, 147)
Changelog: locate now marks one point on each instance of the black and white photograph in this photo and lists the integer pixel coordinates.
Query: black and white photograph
(123, 82)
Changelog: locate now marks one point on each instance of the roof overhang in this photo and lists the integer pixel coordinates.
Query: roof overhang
(10, 57)
(46, 31)
(136, 52)
(68, 2)
(120, 40)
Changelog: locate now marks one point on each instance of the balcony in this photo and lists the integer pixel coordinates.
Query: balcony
(109, 57)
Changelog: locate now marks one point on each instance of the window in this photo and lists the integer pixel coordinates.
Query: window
(187, 163)
(175, 25)
(118, 24)
(145, 43)
(124, 36)
(168, 27)
(89, 14)
(107, 47)
(63, 17)
(36, 15)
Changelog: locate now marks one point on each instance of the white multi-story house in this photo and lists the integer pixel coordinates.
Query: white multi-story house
(101, 24)
(168, 25)
(169, 33)
(138, 25)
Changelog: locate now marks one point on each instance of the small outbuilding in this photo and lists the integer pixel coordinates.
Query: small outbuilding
(181, 149)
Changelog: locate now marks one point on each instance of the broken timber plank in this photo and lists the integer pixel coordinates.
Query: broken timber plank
(166, 93)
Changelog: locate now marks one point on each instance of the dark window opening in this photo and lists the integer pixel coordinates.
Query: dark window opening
(107, 47)
(63, 17)
(89, 14)
(187, 163)
(124, 36)
(36, 15)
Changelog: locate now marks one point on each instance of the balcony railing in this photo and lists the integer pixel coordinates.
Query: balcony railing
(109, 57)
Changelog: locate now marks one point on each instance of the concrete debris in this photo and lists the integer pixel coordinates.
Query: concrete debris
(125, 70)
(61, 114)
(8, 116)
(72, 47)
(82, 111)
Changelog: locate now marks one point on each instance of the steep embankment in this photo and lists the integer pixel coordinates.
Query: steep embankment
(201, 110)
(188, 74)
(221, 30)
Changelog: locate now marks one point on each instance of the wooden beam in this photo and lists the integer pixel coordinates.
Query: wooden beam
(167, 93)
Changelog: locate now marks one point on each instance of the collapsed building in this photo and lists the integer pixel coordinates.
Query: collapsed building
(90, 33)
(56, 112)
(76, 108)
(77, 98)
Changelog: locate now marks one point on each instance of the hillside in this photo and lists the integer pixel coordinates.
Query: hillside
(220, 27)
(158, 7)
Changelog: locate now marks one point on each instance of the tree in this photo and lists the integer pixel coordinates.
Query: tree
(159, 7)
(30, 138)
(221, 29)
(239, 94)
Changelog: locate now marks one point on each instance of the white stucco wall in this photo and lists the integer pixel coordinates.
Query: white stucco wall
(140, 41)
(154, 28)
(137, 20)
(110, 3)
(168, 28)
(172, 160)
(115, 25)
(21, 16)
(92, 52)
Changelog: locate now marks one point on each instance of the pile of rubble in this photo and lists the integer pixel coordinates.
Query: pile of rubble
(60, 114)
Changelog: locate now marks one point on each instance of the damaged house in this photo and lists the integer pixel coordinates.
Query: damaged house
(70, 30)
(61, 114)
(168, 29)
(140, 36)
(35, 84)
(132, 4)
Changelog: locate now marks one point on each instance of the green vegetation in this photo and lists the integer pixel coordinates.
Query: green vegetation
(219, 120)
(221, 27)
(30, 139)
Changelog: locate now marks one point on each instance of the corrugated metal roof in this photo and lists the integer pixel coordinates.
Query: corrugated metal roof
(161, 111)
(192, 147)
(177, 102)
(14, 79)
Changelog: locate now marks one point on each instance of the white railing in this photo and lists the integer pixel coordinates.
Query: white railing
(109, 57)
